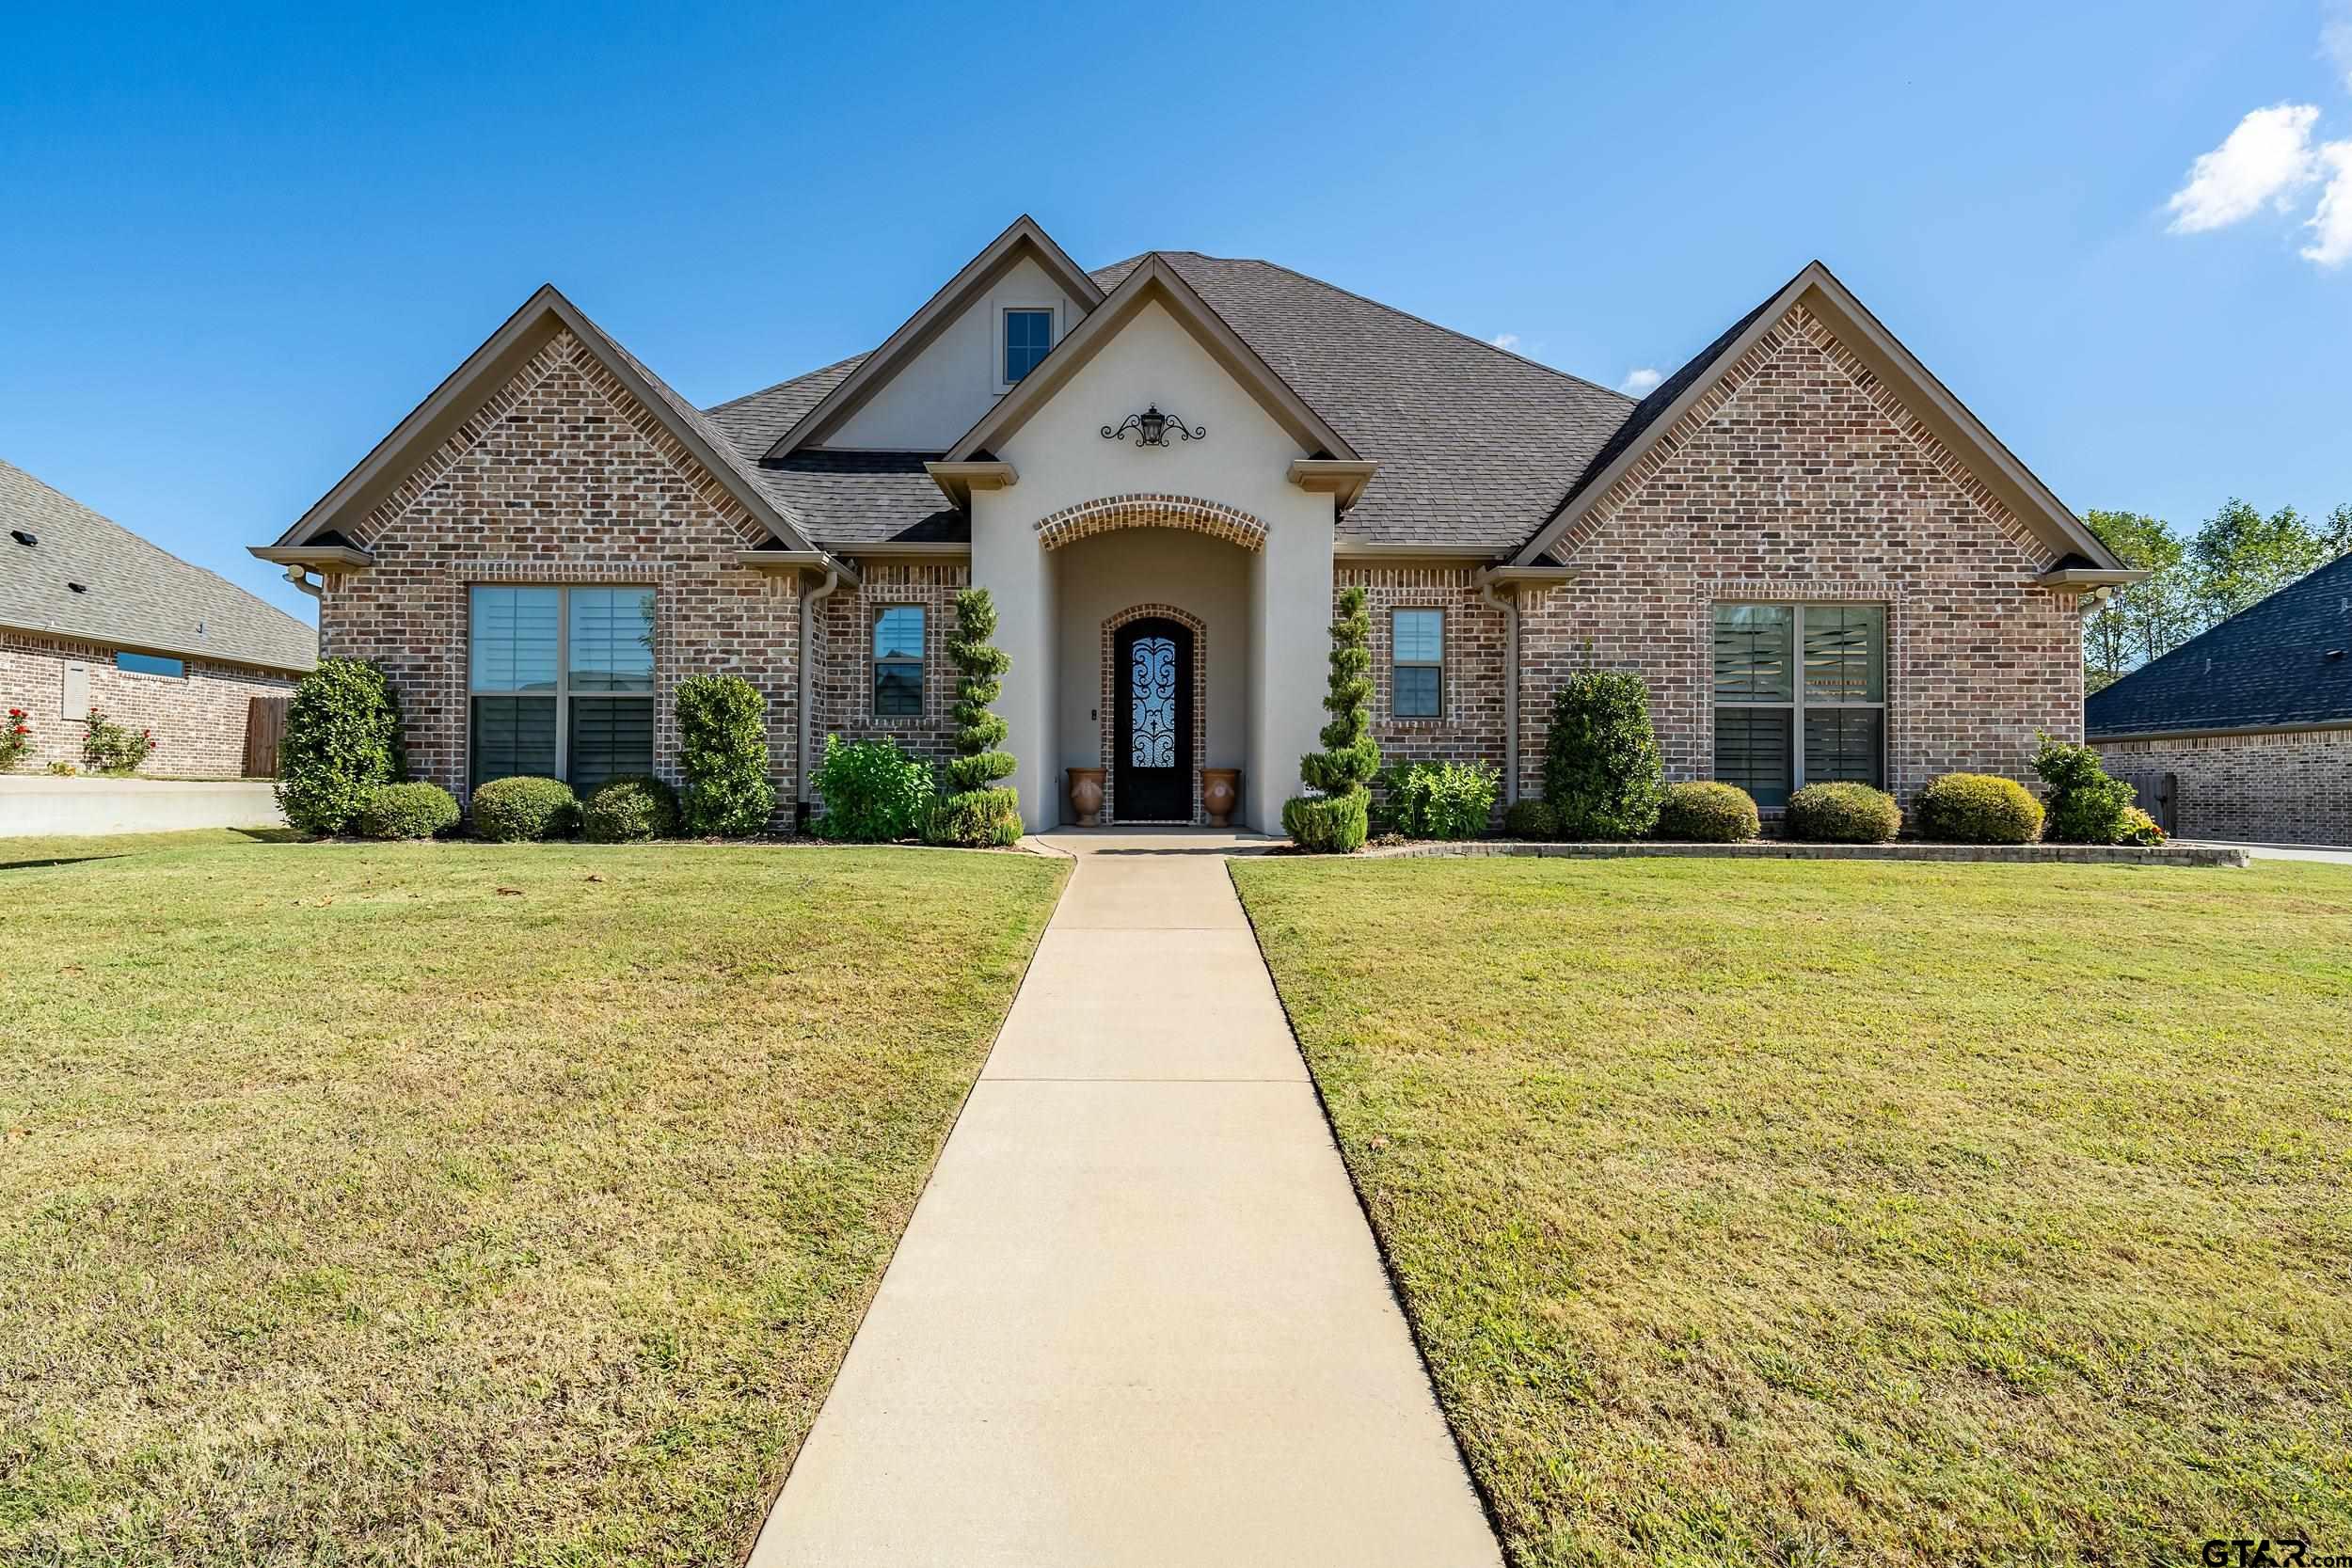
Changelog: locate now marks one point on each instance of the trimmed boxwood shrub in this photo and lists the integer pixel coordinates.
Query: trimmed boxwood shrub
(1976, 808)
(873, 793)
(1328, 824)
(525, 808)
(629, 810)
(1531, 819)
(723, 757)
(341, 740)
(975, 820)
(1708, 813)
(1843, 813)
(406, 810)
(2084, 805)
(1602, 771)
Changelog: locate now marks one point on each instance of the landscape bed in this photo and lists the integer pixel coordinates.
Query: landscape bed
(455, 1203)
(1788, 1212)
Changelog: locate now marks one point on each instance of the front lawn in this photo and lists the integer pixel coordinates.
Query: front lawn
(458, 1204)
(1825, 1213)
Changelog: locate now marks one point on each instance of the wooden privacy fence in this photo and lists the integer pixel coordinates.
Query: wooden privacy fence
(2158, 795)
(265, 723)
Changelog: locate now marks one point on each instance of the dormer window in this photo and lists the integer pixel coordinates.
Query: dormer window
(1028, 334)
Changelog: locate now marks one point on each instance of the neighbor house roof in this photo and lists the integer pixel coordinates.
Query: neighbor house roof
(132, 594)
(2283, 662)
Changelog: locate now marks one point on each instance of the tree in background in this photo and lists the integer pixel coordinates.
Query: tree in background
(2242, 557)
(2145, 620)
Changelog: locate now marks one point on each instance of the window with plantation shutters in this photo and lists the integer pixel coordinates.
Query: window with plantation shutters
(561, 683)
(1800, 696)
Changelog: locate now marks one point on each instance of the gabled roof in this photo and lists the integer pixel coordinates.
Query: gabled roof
(490, 367)
(1862, 333)
(870, 371)
(133, 595)
(1152, 279)
(2282, 662)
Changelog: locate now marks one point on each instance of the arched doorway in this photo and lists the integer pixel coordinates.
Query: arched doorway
(1152, 764)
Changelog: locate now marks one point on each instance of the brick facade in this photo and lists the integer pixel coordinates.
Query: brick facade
(2285, 787)
(197, 720)
(562, 477)
(842, 688)
(1470, 728)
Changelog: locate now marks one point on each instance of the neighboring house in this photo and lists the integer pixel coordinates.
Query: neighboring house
(2251, 720)
(93, 616)
(1165, 471)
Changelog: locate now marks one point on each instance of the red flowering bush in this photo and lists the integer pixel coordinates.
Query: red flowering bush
(16, 739)
(108, 748)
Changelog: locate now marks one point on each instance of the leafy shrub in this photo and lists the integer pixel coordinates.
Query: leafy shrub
(16, 739)
(525, 808)
(2139, 829)
(629, 810)
(1843, 813)
(1436, 800)
(108, 748)
(406, 810)
(1708, 813)
(1602, 771)
(1531, 819)
(873, 793)
(1335, 819)
(1328, 824)
(976, 818)
(2084, 805)
(723, 757)
(341, 740)
(1978, 808)
(63, 768)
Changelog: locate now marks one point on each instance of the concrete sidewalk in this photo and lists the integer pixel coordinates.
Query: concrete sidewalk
(1137, 1318)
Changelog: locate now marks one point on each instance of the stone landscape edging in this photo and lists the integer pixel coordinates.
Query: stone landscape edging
(2001, 854)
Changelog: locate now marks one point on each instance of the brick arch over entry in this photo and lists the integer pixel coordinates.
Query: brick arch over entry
(1105, 512)
(1108, 711)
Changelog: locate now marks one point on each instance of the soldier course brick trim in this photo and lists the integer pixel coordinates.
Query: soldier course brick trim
(1219, 521)
(1110, 703)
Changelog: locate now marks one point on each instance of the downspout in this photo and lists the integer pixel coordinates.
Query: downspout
(300, 577)
(809, 600)
(1510, 609)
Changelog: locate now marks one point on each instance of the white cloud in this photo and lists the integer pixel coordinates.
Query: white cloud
(1640, 382)
(2333, 222)
(1505, 339)
(2261, 163)
(2335, 38)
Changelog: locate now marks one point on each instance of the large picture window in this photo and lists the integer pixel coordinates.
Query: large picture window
(1417, 664)
(561, 683)
(899, 662)
(1800, 696)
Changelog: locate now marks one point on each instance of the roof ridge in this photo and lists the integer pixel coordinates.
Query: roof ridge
(773, 386)
(1423, 320)
(2276, 594)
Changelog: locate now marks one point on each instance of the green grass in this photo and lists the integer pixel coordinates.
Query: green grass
(1823, 1212)
(458, 1204)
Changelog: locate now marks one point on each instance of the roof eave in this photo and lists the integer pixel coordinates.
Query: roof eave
(956, 481)
(340, 559)
(2078, 579)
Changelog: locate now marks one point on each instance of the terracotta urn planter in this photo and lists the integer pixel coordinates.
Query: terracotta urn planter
(1086, 795)
(1220, 791)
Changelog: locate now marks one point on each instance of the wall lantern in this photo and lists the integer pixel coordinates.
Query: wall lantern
(1152, 428)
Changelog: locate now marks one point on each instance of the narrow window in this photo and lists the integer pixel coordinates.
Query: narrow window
(151, 664)
(1417, 664)
(1800, 696)
(899, 662)
(561, 683)
(1028, 335)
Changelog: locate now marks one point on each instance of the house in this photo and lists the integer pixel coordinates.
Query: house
(93, 616)
(1164, 471)
(2245, 731)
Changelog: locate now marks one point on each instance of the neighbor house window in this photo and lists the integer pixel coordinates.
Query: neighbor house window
(561, 682)
(150, 664)
(899, 662)
(1028, 335)
(1800, 696)
(1417, 664)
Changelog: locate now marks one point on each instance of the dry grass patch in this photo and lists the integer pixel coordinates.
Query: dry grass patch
(1798, 1213)
(458, 1204)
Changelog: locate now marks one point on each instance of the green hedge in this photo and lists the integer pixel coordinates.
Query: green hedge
(723, 757)
(975, 820)
(629, 810)
(1708, 813)
(1436, 800)
(873, 793)
(342, 740)
(525, 808)
(1531, 819)
(1602, 771)
(1843, 813)
(406, 810)
(1976, 808)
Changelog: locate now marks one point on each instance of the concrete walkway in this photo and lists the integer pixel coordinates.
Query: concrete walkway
(1137, 1318)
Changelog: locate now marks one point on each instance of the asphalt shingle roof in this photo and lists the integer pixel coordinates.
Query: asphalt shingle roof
(1476, 446)
(2284, 660)
(135, 595)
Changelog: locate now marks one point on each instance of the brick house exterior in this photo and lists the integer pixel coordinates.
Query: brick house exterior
(1315, 441)
(94, 617)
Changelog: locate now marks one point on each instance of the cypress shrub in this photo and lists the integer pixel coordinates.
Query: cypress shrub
(723, 757)
(1603, 772)
(342, 740)
(977, 813)
(1335, 819)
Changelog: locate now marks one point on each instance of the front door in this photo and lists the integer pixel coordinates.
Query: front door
(1151, 767)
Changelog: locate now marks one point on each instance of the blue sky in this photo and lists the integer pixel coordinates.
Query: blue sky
(242, 244)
